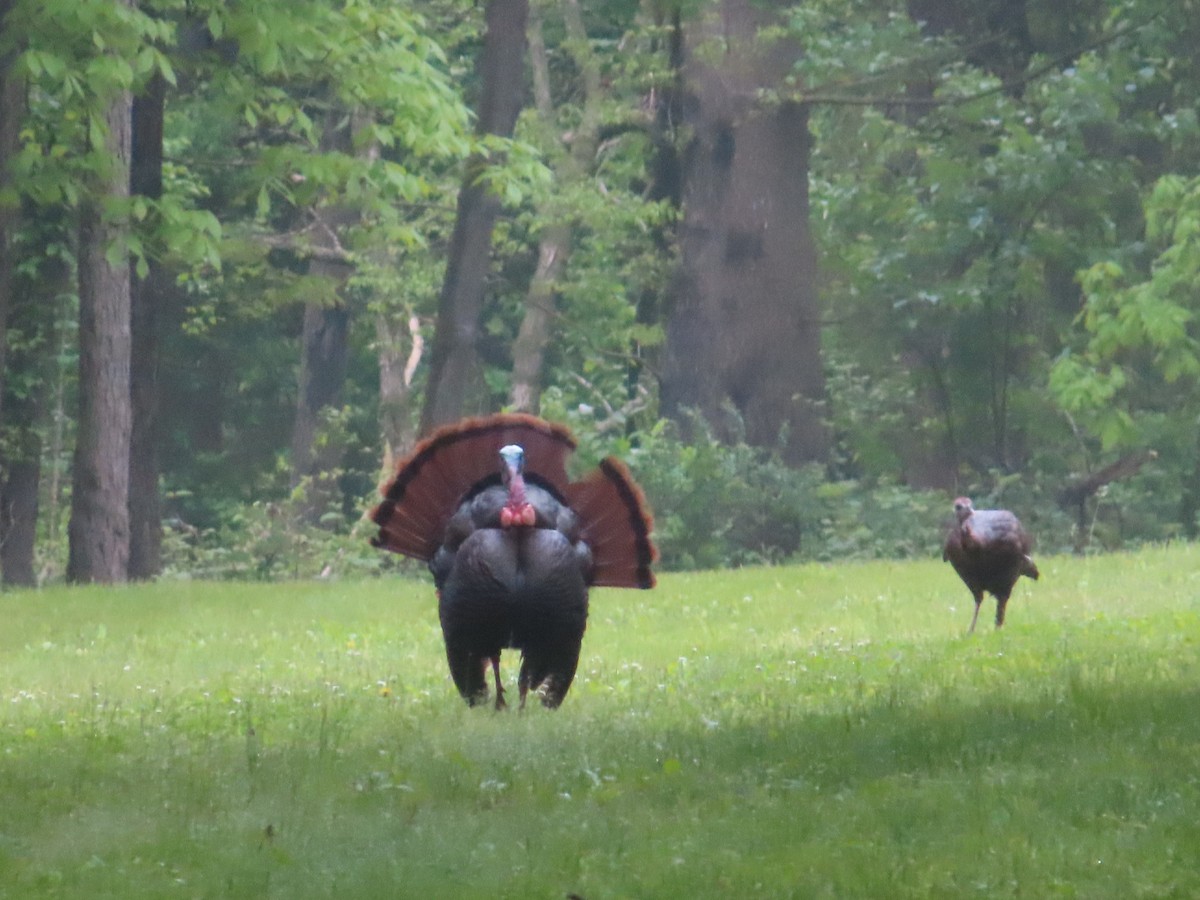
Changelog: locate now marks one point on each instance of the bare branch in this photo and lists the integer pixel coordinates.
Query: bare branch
(418, 348)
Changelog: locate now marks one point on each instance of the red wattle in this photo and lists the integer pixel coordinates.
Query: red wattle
(522, 515)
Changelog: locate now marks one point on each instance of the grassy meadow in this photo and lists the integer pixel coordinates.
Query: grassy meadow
(811, 731)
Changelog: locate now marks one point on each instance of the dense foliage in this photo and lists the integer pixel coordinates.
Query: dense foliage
(1006, 209)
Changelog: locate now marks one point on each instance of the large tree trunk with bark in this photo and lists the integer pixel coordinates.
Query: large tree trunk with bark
(19, 513)
(743, 334)
(146, 178)
(16, 547)
(455, 371)
(12, 115)
(99, 527)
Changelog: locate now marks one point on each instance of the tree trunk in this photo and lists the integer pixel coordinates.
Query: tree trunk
(743, 333)
(12, 116)
(99, 529)
(145, 514)
(33, 362)
(325, 347)
(324, 353)
(455, 371)
(19, 513)
(19, 477)
(554, 248)
(1189, 498)
(529, 348)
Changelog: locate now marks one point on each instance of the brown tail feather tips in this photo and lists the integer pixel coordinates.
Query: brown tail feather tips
(431, 482)
(616, 525)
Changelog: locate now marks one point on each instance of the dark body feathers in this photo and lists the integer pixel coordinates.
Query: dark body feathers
(514, 546)
(989, 550)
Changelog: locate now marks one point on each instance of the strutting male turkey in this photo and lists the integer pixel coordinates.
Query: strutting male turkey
(989, 550)
(513, 545)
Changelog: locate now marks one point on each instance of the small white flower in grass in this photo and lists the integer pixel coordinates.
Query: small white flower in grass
(710, 724)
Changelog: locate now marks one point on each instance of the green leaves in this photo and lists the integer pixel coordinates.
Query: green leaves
(956, 236)
(1147, 327)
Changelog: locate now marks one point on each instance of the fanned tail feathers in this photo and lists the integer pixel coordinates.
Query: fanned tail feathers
(616, 524)
(431, 481)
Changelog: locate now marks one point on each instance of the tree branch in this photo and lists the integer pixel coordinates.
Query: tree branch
(1077, 492)
(822, 99)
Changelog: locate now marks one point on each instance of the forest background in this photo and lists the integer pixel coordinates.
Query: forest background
(811, 269)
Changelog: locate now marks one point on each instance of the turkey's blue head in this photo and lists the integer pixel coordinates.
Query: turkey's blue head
(516, 510)
(513, 458)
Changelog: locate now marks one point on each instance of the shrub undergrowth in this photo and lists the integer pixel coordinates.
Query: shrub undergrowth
(716, 506)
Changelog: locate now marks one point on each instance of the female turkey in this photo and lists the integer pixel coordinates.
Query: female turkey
(989, 550)
(514, 545)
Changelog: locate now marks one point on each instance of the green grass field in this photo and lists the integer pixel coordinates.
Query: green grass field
(815, 731)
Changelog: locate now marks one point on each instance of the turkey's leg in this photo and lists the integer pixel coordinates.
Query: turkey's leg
(1001, 603)
(978, 601)
(495, 663)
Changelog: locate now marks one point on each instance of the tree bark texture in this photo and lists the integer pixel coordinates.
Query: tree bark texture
(743, 333)
(149, 293)
(12, 115)
(98, 532)
(18, 515)
(455, 370)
